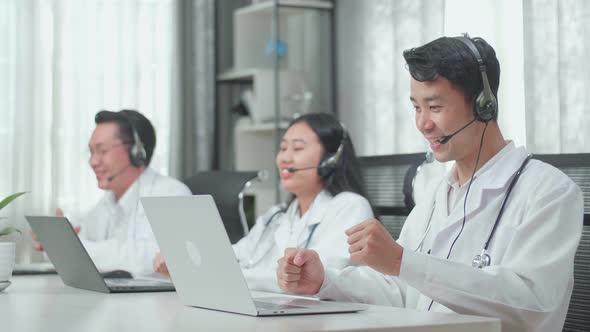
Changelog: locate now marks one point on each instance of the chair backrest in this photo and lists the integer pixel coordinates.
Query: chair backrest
(577, 167)
(389, 181)
(227, 189)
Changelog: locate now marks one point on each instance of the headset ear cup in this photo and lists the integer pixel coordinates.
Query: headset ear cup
(137, 155)
(331, 161)
(477, 110)
(325, 169)
(133, 155)
(484, 109)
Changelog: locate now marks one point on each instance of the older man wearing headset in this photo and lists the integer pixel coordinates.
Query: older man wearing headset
(115, 232)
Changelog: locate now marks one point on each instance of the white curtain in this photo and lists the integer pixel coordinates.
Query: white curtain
(372, 82)
(499, 22)
(62, 61)
(193, 134)
(557, 72)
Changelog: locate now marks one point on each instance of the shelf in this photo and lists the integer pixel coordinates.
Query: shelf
(260, 128)
(303, 72)
(244, 75)
(287, 7)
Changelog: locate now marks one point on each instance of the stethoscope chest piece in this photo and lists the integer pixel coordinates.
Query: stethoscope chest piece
(481, 260)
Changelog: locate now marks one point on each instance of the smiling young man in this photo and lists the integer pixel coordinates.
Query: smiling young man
(499, 233)
(115, 232)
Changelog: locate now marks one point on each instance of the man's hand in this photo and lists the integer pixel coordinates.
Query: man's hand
(300, 271)
(160, 265)
(371, 244)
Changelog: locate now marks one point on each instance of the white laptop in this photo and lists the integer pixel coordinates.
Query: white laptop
(203, 265)
(75, 267)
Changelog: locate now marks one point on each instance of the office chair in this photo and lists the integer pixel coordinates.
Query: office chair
(227, 189)
(389, 181)
(577, 167)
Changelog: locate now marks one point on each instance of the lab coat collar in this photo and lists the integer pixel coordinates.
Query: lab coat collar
(316, 211)
(127, 203)
(500, 176)
(494, 176)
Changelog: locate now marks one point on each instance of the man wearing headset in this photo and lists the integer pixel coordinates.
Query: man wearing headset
(115, 232)
(499, 234)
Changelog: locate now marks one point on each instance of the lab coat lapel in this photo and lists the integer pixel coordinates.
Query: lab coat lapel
(283, 230)
(317, 213)
(319, 209)
(489, 182)
(314, 216)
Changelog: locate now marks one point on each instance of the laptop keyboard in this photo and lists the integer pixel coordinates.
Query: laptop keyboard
(134, 282)
(284, 303)
(274, 306)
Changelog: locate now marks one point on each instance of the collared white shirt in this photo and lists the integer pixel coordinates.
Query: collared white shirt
(323, 226)
(529, 282)
(117, 235)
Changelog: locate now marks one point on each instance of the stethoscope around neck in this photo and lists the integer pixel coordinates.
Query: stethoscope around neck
(251, 263)
(483, 259)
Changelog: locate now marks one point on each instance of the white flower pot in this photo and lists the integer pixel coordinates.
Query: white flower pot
(7, 256)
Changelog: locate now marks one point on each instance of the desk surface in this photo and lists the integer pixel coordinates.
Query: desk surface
(44, 303)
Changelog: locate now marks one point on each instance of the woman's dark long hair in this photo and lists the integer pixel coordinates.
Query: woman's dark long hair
(346, 174)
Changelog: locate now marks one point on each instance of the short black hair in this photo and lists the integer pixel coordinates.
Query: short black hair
(127, 120)
(450, 58)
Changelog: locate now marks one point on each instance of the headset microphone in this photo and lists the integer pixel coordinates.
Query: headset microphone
(293, 169)
(445, 139)
(112, 177)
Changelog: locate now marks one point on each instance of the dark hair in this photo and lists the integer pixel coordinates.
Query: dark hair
(346, 176)
(452, 59)
(127, 120)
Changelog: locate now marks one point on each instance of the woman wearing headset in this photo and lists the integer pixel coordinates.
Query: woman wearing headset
(319, 168)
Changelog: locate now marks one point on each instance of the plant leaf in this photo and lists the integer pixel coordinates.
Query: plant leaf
(9, 230)
(10, 198)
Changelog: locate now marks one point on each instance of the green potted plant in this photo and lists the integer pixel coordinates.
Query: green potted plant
(7, 249)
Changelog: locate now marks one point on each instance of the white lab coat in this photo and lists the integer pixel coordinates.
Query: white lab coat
(117, 235)
(259, 251)
(529, 283)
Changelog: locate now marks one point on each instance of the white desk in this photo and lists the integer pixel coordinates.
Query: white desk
(44, 303)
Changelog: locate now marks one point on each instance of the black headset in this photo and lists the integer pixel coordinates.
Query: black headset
(331, 161)
(137, 153)
(485, 106)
